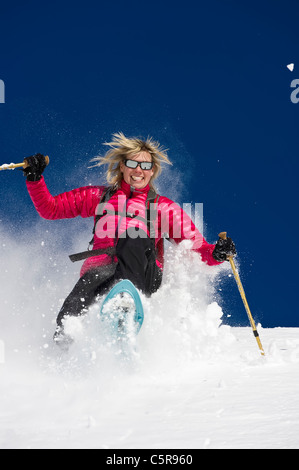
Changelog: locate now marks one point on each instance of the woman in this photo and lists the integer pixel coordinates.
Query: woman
(130, 223)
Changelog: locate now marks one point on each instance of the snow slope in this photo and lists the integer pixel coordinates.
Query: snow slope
(191, 383)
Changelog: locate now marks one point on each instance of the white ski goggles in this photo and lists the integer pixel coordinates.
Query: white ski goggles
(143, 165)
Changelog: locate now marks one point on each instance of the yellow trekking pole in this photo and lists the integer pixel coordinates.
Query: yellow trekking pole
(242, 293)
(12, 166)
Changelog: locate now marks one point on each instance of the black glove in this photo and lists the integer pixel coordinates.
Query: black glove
(223, 249)
(36, 165)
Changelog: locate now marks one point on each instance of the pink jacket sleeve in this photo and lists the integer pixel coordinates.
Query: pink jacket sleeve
(81, 201)
(179, 227)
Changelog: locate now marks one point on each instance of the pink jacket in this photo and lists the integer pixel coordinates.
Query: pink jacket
(171, 219)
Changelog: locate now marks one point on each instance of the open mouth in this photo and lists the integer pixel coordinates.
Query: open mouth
(137, 178)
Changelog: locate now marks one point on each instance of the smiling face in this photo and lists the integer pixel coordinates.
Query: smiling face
(137, 177)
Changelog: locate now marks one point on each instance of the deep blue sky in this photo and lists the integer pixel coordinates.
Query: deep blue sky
(207, 79)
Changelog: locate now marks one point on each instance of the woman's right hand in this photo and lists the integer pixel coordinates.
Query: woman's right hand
(36, 165)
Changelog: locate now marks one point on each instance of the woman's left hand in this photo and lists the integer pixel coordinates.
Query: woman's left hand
(224, 249)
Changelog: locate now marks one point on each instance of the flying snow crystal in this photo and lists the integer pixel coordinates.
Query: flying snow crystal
(290, 67)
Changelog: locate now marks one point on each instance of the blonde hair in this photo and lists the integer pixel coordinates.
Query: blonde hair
(122, 147)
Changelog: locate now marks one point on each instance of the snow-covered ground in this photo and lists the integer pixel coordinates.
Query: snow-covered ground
(190, 384)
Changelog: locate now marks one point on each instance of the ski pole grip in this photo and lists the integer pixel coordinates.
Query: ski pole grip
(47, 160)
(222, 235)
